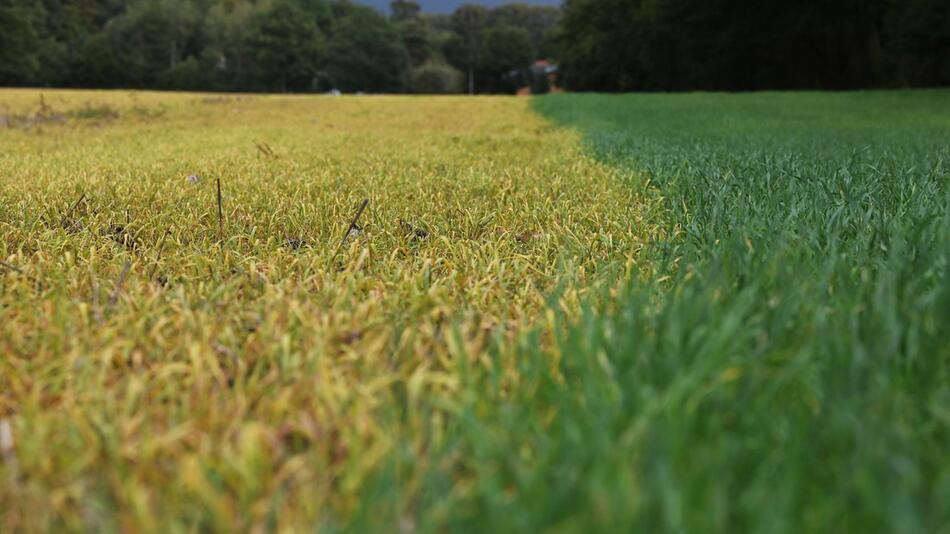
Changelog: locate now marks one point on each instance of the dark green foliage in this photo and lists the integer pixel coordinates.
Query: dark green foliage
(603, 45)
(366, 53)
(19, 41)
(625, 45)
(435, 78)
(403, 10)
(464, 48)
(504, 58)
(598, 46)
(284, 48)
(256, 45)
(536, 20)
(226, 57)
(919, 32)
(415, 37)
(495, 48)
(150, 39)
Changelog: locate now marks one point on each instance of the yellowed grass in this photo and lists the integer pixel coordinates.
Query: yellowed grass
(234, 371)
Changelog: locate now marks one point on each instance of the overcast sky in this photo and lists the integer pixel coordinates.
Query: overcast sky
(447, 6)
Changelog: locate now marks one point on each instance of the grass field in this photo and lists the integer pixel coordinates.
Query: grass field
(664, 312)
(261, 372)
(788, 369)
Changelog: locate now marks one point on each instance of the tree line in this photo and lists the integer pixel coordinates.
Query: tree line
(635, 45)
(270, 45)
(600, 45)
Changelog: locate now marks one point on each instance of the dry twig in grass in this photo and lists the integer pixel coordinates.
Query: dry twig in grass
(220, 213)
(353, 226)
(65, 219)
(118, 286)
(158, 256)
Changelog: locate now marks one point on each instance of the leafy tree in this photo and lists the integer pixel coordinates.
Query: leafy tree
(284, 48)
(623, 45)
(605, 45)
(414, 30)
(68, 28)
(464, 48)
(496, 47)
(146, 40)
(438, 22)
(505, 57)
(599, 44)
(403, 10)
(225, 58)
(415, 37)
(436, 78)
(19, 39)
(919, 34)
(366, 52)
(536, 20)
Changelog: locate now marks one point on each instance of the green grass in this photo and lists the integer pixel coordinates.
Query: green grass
(164, 369)
(783, 366)
(779, 360)
(788, 369)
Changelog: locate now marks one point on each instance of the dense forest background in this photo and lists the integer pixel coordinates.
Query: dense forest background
(269, 45)
(448, 6)
(628, 45)
(599, 45)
